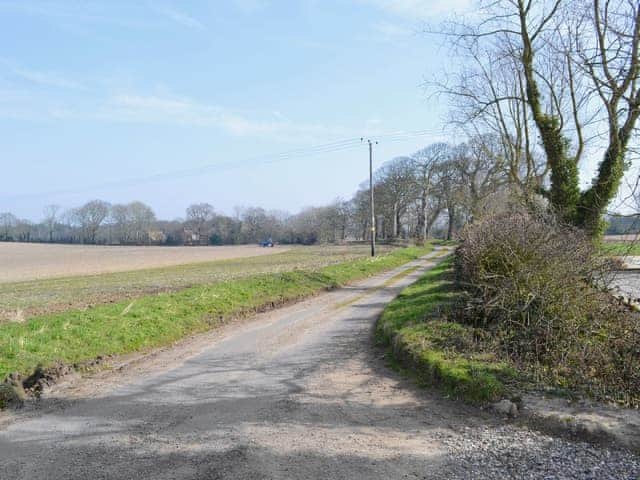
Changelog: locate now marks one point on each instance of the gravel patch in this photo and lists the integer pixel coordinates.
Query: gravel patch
(514, 453)
(627, 284)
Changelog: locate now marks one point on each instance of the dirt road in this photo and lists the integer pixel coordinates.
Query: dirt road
(298, 393)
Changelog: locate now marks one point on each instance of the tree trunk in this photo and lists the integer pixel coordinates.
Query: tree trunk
(594, 201)
(565, 189)
(394, 226)
(421, 228)
(452, 215)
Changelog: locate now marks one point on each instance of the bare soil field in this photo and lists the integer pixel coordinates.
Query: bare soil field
(35, 261)
(20, 300)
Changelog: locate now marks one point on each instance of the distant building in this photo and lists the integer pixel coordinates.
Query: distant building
(192, 238)
(157, 236)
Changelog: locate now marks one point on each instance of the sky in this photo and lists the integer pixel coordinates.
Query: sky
(96, 97)
(234, 103)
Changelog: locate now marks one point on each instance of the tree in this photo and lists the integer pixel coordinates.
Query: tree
(50, 219)
(141, 218)
(198, 215)
(481, 171)
(361, 215)
(451, 189)
(89, 218)
(578, 63)
(8, 222)
(488, 100)
(395, 188)
(132, 222)
(425, 163)
(340, 214)
(612, 60)
(120, 222)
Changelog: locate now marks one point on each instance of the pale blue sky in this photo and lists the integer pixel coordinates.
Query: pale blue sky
(95, 95)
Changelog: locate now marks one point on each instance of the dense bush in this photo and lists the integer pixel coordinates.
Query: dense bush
(536, 286)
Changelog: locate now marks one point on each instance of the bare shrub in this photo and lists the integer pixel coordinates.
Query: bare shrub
(536, 286)
(527, 274)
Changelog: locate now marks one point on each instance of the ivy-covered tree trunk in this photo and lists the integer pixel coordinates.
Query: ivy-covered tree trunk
(619, 51)
(564, 193)
(594, 201)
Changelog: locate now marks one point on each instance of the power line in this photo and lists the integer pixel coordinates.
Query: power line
(297, 153)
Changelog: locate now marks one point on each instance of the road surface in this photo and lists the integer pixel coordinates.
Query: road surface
(627, 283)
(297, 393)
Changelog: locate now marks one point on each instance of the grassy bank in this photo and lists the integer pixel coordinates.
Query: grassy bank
(441, 353)
(423, 329)
(160, 319)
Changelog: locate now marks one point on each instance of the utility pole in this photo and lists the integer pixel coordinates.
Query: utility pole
(373, 213)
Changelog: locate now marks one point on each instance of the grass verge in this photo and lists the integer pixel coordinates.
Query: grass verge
(439, 352)
(621, 249)
(155, 320)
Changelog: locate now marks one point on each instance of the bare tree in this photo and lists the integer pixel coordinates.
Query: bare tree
(481, 171)
(488, 98)
(119, 218)
(361, 215)
(425, 164)
(198, 215)
(90, 217)
(8, 222)
(451, 188)
(395, 188)
(578, 64)
(142, 219)
(132, 222)
(50, 219)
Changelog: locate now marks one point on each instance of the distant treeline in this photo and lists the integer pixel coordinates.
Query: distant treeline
(98, 222)
(430, 193)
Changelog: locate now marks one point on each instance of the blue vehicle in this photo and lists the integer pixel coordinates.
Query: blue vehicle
(266, 243)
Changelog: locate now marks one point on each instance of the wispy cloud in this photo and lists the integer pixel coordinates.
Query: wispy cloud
(45, 78)
(181, 111)
(49, 79)
(179, 17)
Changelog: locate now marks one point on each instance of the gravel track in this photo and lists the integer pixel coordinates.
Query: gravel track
(295, 393)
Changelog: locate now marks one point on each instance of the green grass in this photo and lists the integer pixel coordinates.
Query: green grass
(160, 319)
(439, 352)
(445, 243)
(30, 298)
(621, 248)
